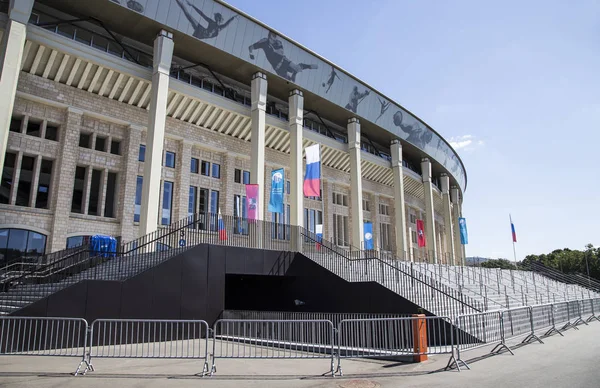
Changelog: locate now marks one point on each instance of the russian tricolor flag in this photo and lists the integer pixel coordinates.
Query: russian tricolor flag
(312, 179)
(512, 227)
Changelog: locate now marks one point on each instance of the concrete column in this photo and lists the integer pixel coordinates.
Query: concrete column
(357, 227)
(431, 247)
(102, 196)
(182, 184)
(449, 235)
(35, 180)
(15, 178)
(400, 219)
(163, 54)
(64, 176)
(410, 246)
(257, 156)
(11, 56)
(296, 126)
(87, 184)
(128, 182)
(459, 256)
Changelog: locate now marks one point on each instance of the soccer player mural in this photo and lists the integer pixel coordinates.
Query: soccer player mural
(416, 135)
(273, 49)
(214, 25)
(384, 107)
(332, 76)
(356, 98)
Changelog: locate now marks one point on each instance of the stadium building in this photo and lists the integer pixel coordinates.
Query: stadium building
(121, 117)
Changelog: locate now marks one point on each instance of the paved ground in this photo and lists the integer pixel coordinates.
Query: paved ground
(570, 362)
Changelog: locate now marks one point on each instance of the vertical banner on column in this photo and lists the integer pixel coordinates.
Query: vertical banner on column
(252, 202)
(319, 233)
(421, 234)
(276, 198)
(464, 237)
(368, 229)
(312, 178)
(222, 230)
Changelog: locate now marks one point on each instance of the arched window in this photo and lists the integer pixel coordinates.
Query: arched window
(21, 244)
(77, 241)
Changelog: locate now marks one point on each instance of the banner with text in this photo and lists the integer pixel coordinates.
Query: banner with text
(276, 198)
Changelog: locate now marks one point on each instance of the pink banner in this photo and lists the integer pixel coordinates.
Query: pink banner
(252, 202)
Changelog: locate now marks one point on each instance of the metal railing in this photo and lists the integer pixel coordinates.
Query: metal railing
(273, 339)
(35, 336)
(394, 337)
(414, 336)
(146, 338)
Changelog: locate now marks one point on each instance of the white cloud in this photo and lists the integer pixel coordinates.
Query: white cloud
(465, 142)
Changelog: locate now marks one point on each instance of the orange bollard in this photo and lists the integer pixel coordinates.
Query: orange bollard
(419, 337)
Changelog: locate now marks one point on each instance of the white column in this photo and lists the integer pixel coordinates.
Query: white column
(257, 157)
(400, 219)
(449, 235)
(103, 188)
(11, 56)
(357, 227)
(431, 247)
(87, 185)
(459, 256)
(296, 126)
(163, 53)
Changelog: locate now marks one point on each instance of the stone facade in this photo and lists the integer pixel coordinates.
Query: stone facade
(76, 111)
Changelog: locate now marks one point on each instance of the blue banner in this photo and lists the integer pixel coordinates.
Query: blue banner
(368, 230)
(277, 184)
(462, 224)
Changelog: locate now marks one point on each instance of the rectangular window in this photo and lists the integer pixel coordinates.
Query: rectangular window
(192, 201)
(51, 132)
(78, 190)
(413, 237)
(41, 200)
(115, 147)
(384, 236)
(167, 204)
(340, 230)
(101, 143)
(25, 181)
(95, 187)
(142, 153)
(216, 170)
(365, 205)
(280, 227)
(15, 124)
(214, 209)
(194, 165)
(288, 187)
(7, 177)
(34, 128)
(246, 178)
(239, 212)
(111, 191)
(237, 175)
(138, 198)
(413, 219)
(205, 170)
(340, 199)
(169, 159)
(85, 140)
(384, 209)
(203, 207)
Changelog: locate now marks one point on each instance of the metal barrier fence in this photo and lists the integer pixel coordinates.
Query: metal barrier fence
(273, 339)
(288, 339)
(394, 337)
(135, 338)
(32, 336)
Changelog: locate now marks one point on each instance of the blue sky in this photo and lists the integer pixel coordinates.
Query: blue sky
(514, 85)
